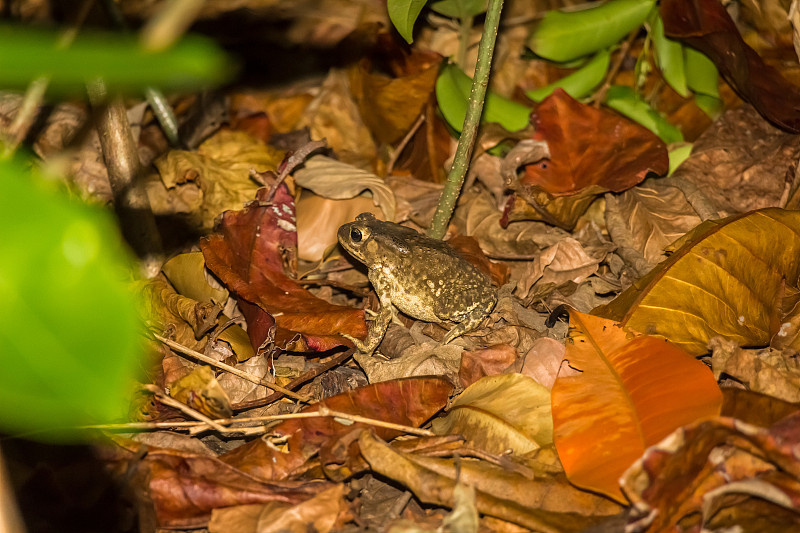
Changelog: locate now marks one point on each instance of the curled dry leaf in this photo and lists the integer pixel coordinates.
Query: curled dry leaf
(212, 179)
(648, 218)
(185, 487)
(564, 261)
(706, 26)
(390, 106)
(487, 362)
(201, 391)
(500, 413)
(410, 402)
(503, 495)
(248, 253)
(582, 165)
(478, 217)
(766, 370)
(741, 163)
(734, 278)
(322, 512)
(718, 474)
(632, 391)
(334, 116)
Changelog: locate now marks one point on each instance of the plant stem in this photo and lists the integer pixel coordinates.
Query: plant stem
(464, 30)
(480, 81)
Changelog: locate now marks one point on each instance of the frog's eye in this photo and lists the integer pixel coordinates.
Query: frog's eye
(355, 235)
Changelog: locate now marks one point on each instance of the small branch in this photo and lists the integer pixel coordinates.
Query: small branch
(600, 96)
(466, 143)
(311, 374)
(182, 407)
(220, 424)
(404, 143)
(464, 31)
(222, 366)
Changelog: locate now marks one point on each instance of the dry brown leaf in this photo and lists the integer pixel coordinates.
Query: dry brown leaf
(213, 179)
(564, 261)
(648, 218)
(742, 162)
(334, 116)
(499, 413)
(769, 371)
(543, 361)
(322, 512)
(486, 362)
(200, 390)
(434, 487)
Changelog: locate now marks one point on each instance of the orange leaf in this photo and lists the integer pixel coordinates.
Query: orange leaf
(631, 392)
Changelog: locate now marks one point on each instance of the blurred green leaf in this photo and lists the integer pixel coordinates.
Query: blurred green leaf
(459, 9)
(453, 88)
(566, 35)
(623, 100)
(28, 53)
(403, 14)
(579, 83)
(68, 325)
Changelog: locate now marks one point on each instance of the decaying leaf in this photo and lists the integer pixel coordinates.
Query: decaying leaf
(322, 512)
(499, 413)
(580, 166)
(648, 218)
(767, 370)
(718, 474)
(214, 178)
(632, 391)
(501, 494)
(200, 390)
(291, 444)
(730, 278)
(248, 253)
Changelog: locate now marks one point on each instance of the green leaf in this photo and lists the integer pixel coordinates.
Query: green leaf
(624, 101)
(579, 83)
(453, 88)
(459, 9)
(703, 78)
(68, 325)
(29, 53)
(564, 36)
(669, 56)
(403, 14)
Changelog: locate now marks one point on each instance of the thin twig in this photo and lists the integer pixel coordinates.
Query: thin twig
(219, 424)
(600, 96)
(235, 371)
(404, 143)
(311, 374)
(182, 407)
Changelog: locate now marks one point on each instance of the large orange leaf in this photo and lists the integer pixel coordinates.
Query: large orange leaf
(736, 278)
(631, 392)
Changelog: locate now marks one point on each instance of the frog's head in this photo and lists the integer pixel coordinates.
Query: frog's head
(357, 237)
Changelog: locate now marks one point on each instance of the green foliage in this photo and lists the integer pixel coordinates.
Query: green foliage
(702, 77)
(581, 82)
(403, 14)
(68, 325)
(29, 53)
(625, 101)
(459, 9)
(564, 36)
(669, 56)
(452, 92)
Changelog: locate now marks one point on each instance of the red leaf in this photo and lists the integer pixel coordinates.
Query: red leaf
(248, 253)
(409, 401)
(706, 25)
(590, 146)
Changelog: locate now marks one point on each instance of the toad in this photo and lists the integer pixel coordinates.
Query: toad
(422, 277)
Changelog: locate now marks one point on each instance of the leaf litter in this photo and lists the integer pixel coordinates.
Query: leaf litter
(669, 407)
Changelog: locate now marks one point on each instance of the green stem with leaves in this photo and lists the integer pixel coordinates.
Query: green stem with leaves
(466, 143)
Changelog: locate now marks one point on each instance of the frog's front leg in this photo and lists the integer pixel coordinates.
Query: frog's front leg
(376, 331)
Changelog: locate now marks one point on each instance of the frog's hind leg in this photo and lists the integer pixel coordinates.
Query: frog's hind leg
(472, 321)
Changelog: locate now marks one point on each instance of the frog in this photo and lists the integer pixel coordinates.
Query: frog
(423, 277)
